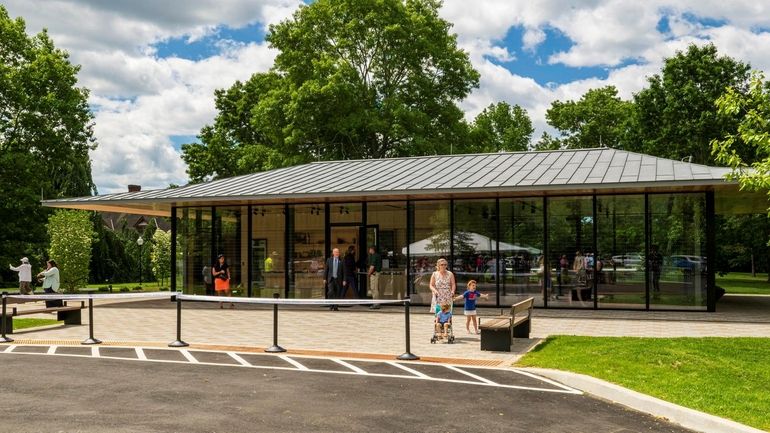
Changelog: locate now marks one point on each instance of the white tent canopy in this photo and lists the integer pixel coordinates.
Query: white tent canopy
(438, 244)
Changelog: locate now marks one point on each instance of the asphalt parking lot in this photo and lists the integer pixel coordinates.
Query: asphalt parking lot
(114, 389)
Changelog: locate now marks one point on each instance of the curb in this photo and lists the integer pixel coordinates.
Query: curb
(685, 417)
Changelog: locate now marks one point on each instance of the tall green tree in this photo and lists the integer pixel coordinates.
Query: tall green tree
(160, 255)
(599, 119)
(45, 136)
(71, 235)
(500, 127)
(676, 116)
(352, 79)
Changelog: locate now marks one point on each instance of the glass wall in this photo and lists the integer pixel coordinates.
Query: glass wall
(570, 260)
(677, 252)
(268, 248)
(475, 247)
(387, 221)
(230, 239)
(620, 273)
(428, 241)
(193, 251)
(308, 237)
(521, 246)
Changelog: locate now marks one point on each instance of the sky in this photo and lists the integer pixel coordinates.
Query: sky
(152, 66)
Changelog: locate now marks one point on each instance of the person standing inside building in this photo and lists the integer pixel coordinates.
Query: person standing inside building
(350, 268)
(208, 280)
(579, 267)
(656, 263)
(374, 265)
(51, 283)
(334, 277)
(25, 276)
(221, 273)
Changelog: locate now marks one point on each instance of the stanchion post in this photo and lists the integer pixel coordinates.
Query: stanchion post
(4, 338)
(178, 342)
(275, 348)
(91, 339)
(408, 355)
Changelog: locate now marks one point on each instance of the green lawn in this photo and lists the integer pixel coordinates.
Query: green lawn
(727, 377)
(744, 283)
(152, 286)
(31, 323)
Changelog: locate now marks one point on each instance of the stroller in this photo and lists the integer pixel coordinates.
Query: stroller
(437, 328)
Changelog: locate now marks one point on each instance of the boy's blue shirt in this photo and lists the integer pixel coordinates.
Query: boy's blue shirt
(470, 299)
(444, 316)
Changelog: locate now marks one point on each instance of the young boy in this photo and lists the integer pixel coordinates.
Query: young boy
(442, 321)
(471, 295)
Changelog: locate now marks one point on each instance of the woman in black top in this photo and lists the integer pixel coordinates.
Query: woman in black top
(221, 273)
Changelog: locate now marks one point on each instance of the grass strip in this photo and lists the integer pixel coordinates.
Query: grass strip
(727, 377)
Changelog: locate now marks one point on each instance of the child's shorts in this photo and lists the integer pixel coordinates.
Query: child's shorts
(469, 312)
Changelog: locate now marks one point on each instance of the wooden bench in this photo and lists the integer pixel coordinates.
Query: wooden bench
(497, 333)
(70, 314)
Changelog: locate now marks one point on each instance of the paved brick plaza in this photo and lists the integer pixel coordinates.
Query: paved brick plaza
(358, 330)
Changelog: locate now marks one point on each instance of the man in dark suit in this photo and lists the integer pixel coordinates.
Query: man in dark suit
(334, 276)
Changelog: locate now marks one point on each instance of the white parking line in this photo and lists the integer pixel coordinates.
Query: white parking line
(51, 350)
(239, 359)
(479, 378)
(546, 380)
(293, 362)
(10, 348)
(350, 366)
(95, 352)
(405, 368)
(140, 354)
(188, 356)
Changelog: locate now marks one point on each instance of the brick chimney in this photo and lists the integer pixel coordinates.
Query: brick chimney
(134, 188)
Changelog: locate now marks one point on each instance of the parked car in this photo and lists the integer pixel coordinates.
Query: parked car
(687, 262)
(629, 260)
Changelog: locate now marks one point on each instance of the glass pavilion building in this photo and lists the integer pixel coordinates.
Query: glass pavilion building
(593, 228)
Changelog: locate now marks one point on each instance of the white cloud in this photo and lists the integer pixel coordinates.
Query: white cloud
(141, 100)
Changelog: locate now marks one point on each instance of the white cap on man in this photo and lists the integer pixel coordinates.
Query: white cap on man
(24, 260)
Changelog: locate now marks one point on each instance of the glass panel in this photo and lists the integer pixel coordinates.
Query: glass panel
(193, 251)
(620, 266)
(346, 239)
(521, 246)
(307, 251)
(677, 251)
(475, 247)
(387, 229)
(570, 243)
(429, 241)
(231, 235)
(268, 251)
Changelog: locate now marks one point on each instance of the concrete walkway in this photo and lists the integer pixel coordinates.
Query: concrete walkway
(359, 330)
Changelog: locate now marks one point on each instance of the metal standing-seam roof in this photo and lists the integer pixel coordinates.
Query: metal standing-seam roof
(468, 173)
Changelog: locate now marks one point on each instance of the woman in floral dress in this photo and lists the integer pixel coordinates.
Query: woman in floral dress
(442, 284)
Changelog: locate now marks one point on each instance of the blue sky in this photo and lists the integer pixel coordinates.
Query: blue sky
(152, 67)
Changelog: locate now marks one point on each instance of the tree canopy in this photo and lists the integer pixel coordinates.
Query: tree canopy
(352, 79)
(500, 127)
(45, 136)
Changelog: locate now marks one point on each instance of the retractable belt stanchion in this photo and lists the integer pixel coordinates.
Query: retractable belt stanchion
(4, 338)
(91, 339)
(178, 342)
(275, 348)
(408, 355)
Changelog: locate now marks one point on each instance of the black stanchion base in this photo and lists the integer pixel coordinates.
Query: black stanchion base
(408, 356)
(275, 349)
(91, 341)
(178, 343)
(6, 339)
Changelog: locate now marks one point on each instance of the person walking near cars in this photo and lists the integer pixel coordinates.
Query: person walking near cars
(656, 262)
(334, 276)
(50, 278)
(374, 264)
(25, 276)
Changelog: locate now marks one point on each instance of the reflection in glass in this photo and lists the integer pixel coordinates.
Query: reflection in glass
(521, 246)
(620, 263)
(389, 220)
(475, 247)
(571, 256)
(429, 241)
(230, 241)
(677, 258)
(193, 251)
